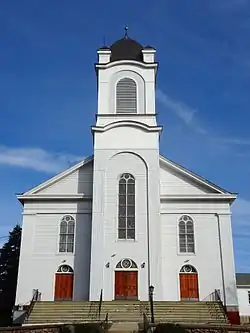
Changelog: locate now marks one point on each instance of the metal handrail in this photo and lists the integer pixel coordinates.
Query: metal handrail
(100, 305)
(36, 296)
(214, 296)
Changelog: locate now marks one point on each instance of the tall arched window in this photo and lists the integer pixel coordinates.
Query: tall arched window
(186, 234)
(126, 96)
(67, 234)
(126, 208)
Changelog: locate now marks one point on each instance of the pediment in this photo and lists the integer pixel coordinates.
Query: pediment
(76, 180)
(177, 180)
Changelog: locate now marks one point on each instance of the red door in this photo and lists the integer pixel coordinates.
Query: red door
(126, 285)
(189, 289)
(63, 287)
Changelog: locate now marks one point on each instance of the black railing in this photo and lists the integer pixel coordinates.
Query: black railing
(36, 297)
(100, 306)
(96, 308)
(214, 296)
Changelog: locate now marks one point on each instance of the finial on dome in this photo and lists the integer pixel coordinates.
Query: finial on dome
(126, 32)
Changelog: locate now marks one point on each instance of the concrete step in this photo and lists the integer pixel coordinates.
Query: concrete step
(125, 311)
(129, 327)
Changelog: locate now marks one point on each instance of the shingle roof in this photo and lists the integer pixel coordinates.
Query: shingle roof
(243, 279)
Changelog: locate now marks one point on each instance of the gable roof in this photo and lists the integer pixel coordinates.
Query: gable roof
(58, 177)
(242, 279)
(194, 177)
(180, 169)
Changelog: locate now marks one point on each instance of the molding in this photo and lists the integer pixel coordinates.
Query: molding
(58, 197)
(126, 62)
(197, 178)
(199, 197)
(171, 211)
(130, 123)
(111, 115)
(59, 212)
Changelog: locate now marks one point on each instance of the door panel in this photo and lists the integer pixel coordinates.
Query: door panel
(64, 286)
(132, 284)
(189, 289)
(119, 284)
(126, 285)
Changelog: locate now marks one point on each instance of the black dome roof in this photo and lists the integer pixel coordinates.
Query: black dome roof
(126, 49)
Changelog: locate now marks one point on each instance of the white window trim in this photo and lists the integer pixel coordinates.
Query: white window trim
(58, 236)
(117, 210)
(179, 253)
(140, 91)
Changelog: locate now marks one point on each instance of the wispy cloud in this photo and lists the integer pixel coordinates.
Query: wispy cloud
(36, 159)
(182, 111)
(241, 208)
(232, 5)
(241, 233)
(189, 116)
(235, 141)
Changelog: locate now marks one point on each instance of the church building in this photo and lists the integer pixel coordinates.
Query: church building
(127, 218)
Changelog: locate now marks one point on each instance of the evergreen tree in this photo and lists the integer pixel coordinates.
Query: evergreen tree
(9, 259)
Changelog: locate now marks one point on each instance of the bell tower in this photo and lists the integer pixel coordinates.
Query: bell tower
(126, 141)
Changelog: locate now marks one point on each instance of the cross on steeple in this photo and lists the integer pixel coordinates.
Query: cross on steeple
(126, 32)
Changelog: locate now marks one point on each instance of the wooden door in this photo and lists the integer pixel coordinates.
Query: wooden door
(131, 284)
(63, 287)
(126, 285)
(189, 289)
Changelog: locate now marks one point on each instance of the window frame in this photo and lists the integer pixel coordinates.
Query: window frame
(126, 216)
(190, 218)
(67, 234)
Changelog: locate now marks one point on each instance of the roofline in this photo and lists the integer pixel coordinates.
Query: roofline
(196, 177)
(243, 286)
(57, 177)
(57, 197)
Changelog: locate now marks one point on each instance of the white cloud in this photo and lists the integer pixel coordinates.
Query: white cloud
(36, 159)
(241, 208)
(181, 110)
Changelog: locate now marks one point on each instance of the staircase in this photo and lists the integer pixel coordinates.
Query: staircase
(127, 311)
(189, 312)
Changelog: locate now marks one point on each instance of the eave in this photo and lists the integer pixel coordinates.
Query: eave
(53, 197)
(199, 197)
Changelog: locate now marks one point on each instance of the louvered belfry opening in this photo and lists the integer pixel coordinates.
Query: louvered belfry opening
(126, 96)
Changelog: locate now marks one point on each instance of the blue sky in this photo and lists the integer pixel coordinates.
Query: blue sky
(48, 90)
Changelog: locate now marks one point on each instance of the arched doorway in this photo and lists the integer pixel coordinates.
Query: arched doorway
(64, 278)
(189, 287)
(126, 280)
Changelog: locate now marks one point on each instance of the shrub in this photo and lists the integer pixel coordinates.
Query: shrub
(83, 328)
(169, 328)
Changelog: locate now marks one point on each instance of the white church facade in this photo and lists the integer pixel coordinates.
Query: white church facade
(127, 218)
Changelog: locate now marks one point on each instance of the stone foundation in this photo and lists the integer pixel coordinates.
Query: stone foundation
(30, 329)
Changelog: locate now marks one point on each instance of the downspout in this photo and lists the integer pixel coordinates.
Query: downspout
(221, 261)
(148, 240)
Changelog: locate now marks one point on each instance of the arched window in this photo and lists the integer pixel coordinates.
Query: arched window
(189, 269)
(126, 99)
(65, 269)
(126, 207)
(186, 234)
(126, 264)
(67, 234)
